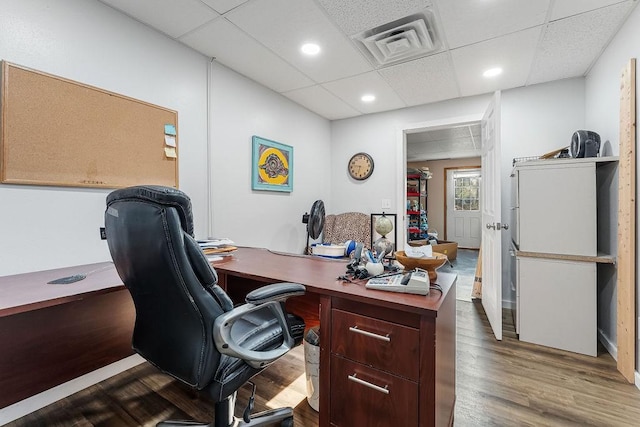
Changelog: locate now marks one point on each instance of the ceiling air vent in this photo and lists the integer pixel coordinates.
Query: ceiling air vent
(407, 38)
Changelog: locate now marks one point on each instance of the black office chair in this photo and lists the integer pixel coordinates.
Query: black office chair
(186, 325)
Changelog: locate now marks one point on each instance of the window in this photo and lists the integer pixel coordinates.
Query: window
(466, 191)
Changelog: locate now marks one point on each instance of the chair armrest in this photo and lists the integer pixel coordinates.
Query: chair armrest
(269, 297)
(275, 292)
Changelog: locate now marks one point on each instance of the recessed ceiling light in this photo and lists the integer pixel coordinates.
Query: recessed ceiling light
(492, 72)
(368, 98)
(310, 49)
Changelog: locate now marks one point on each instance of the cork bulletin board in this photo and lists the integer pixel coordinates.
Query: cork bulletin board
(59, 132)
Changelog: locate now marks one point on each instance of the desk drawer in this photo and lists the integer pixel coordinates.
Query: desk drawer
(387, 346)
(364, 396)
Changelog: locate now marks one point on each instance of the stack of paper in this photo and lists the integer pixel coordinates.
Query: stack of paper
(215, 248)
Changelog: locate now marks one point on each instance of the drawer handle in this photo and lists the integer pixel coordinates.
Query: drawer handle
(355, 379)
(370, 334)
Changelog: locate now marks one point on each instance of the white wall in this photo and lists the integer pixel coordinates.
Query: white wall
(602, 112)
(86, 41)
(242, 108)
(50, 227)
(377, 134)
(535, 120)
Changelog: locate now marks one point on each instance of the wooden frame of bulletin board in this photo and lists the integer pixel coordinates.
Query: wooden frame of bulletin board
(60, 132)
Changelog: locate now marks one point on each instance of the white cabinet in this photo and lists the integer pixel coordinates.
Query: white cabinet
(558, 304)
(560, 230)
(557, 208)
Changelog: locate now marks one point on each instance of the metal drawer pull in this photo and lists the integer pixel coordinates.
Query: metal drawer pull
(370, 334)
(368, 384)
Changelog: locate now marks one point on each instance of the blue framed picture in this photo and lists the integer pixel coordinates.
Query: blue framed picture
(271, 166)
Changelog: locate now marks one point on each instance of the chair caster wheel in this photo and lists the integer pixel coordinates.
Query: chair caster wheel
(287, 422)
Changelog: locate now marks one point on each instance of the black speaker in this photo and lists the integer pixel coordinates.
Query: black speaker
(585, 143)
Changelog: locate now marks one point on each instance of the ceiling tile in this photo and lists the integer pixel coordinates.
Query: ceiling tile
(231, 47)
(354, 16)
(351, 90)
(440, 150)
(456, 141)
(445, 134)
(171, 17)
(513, 53)
(424, 80)
(223, 6)
(461, 144)
(569, 46)
(284, 25)
(320, 101)
(471, 21)
(565, 8)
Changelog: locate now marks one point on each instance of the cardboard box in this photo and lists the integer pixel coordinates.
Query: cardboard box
(450, 249)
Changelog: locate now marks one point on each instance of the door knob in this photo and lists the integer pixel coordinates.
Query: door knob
(491, 226)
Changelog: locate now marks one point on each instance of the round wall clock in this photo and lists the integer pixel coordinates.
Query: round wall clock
(360, 166)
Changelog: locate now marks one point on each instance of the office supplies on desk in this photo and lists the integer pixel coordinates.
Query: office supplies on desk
(328, 250)
(215, 242)
(415, 282)
(76, 277)
(216, 248)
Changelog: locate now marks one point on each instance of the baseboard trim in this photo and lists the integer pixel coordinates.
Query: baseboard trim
(511, 305)
(47, 397)
(638, 380)
(608, 345)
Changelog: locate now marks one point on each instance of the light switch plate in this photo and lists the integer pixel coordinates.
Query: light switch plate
(386, 203)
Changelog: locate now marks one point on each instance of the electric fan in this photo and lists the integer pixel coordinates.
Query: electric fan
(314, 221)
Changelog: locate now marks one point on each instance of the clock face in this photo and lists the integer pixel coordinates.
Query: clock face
(360, 166)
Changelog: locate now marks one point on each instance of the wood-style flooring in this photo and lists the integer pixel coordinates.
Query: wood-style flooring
(507, 383)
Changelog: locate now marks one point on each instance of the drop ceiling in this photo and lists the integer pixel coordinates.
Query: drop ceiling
(532, 41)
(446, 143)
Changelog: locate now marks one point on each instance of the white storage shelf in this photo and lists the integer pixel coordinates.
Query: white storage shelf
(557, 209)
(558, 230)
(558, 304)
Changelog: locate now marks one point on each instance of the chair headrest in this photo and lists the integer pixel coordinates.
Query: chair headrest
(164, 196)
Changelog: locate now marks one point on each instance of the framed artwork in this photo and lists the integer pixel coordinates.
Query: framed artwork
(271, 166)
(391, 235)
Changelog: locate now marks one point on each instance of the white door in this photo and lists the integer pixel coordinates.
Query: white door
(463, 207)
(491, 217)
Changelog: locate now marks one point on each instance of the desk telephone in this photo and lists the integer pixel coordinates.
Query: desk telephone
(415, 282)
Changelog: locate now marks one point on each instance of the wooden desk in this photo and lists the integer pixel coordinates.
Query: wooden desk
(53, 333)
(50, 334)
(407, 348)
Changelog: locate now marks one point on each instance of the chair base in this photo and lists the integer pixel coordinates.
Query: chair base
(224, 417)
(266, 418)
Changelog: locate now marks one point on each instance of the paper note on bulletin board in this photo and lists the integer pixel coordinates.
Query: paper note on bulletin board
(60, 132)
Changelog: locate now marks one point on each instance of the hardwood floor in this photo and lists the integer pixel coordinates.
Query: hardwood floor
(507, 383)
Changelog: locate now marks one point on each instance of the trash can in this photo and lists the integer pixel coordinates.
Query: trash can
(312, 366)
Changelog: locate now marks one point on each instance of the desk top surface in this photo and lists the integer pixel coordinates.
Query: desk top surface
(28, 291)
(320, 275)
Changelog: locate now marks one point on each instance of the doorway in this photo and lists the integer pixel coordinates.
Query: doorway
(455, 146)
(489, 150)
(462, 206)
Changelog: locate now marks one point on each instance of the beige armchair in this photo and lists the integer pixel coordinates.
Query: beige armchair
(347, 226)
